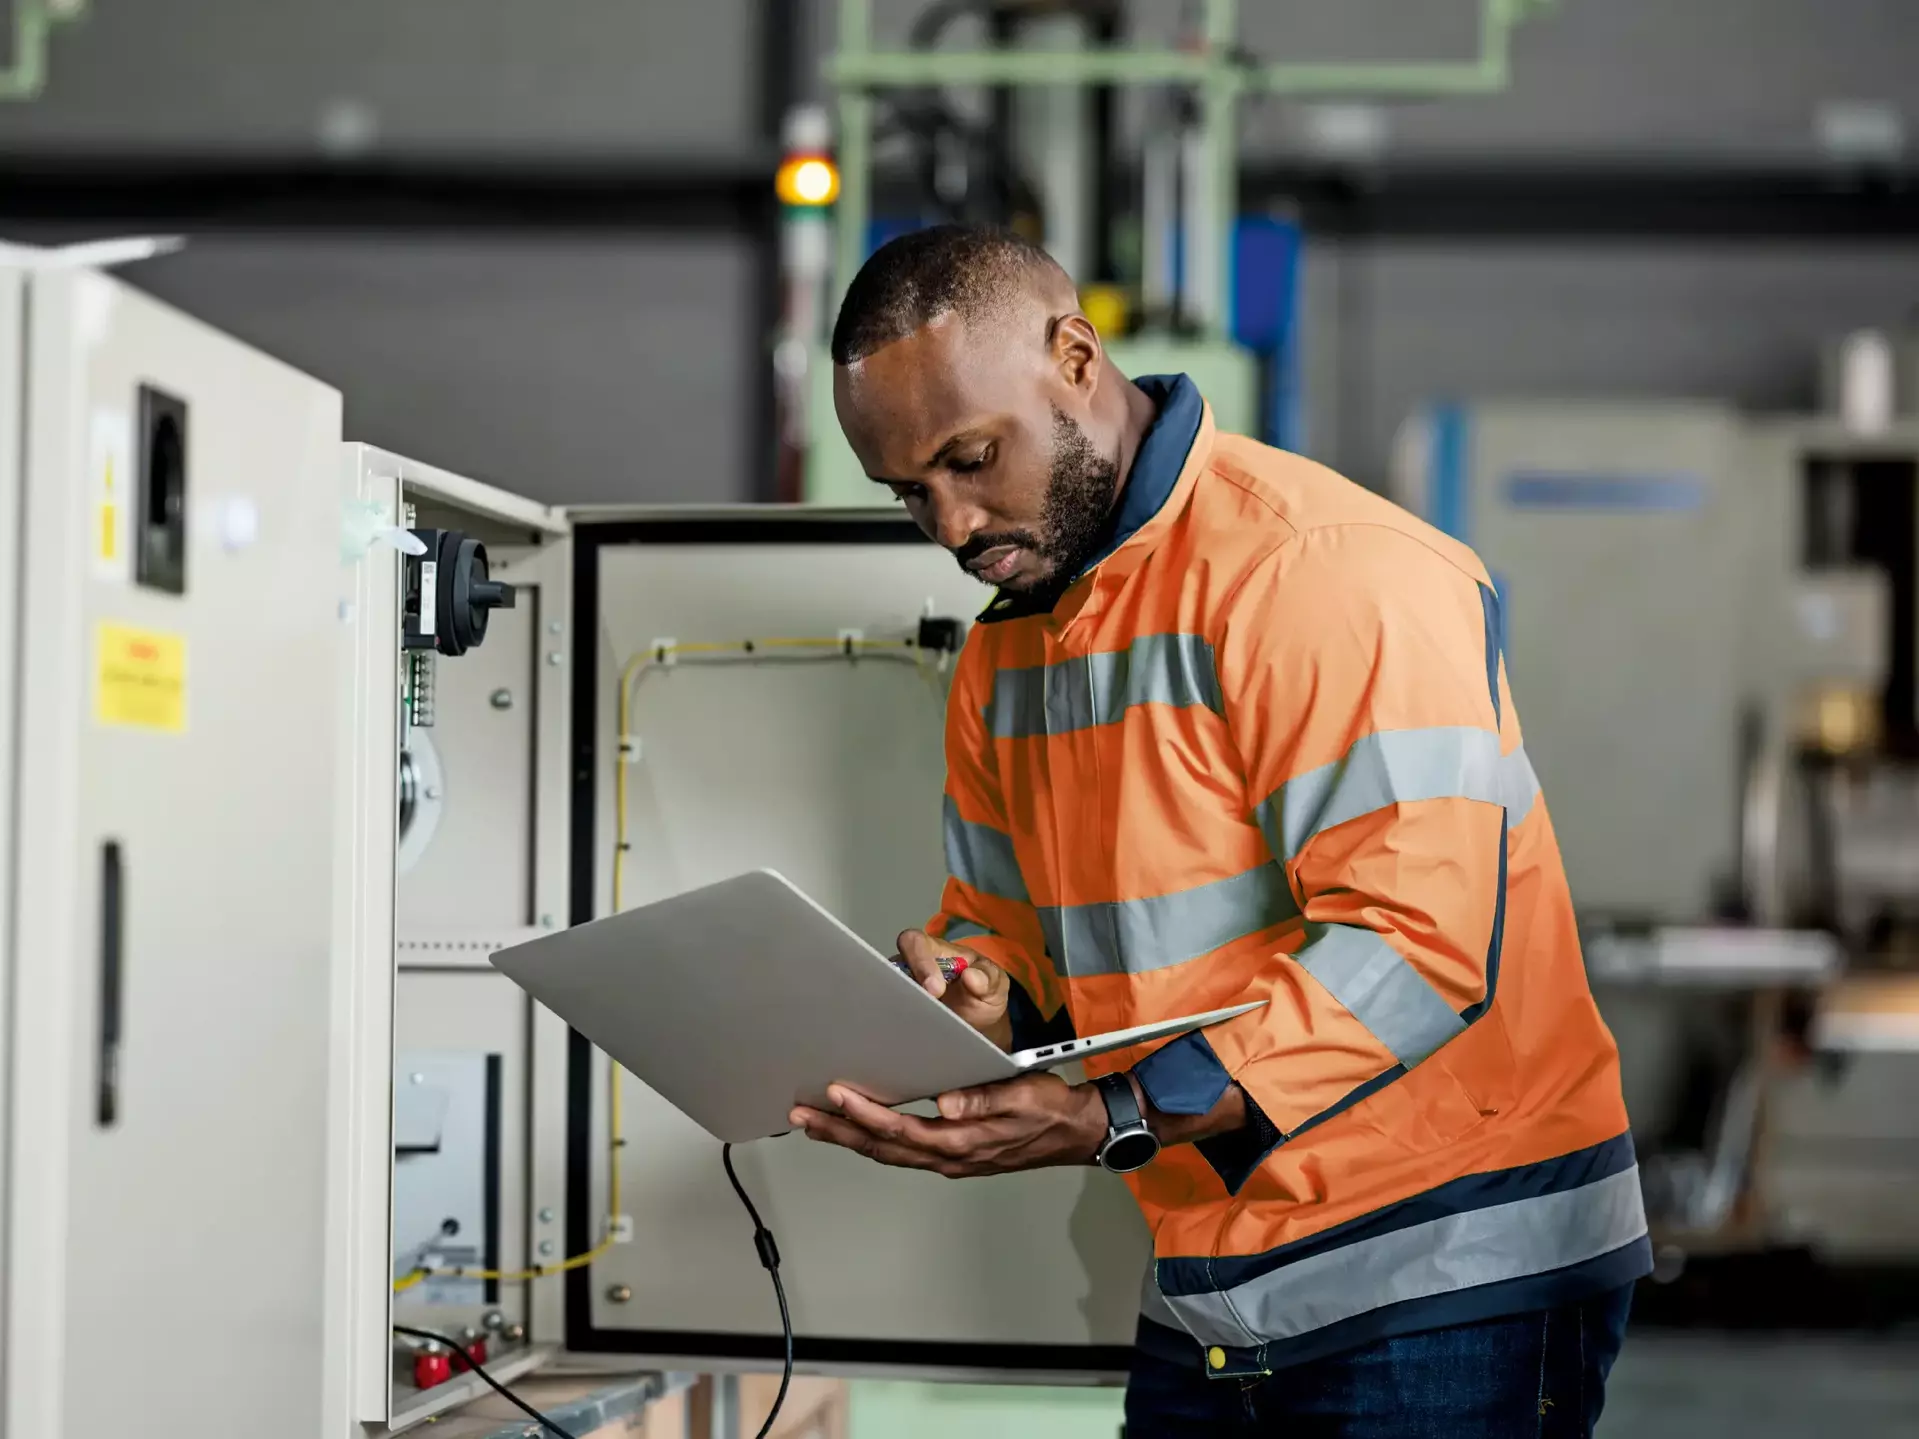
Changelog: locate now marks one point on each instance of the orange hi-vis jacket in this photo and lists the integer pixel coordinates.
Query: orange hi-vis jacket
(1265, 749)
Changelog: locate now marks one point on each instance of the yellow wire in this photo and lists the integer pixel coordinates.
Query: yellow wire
(629, 673)
(658, 656)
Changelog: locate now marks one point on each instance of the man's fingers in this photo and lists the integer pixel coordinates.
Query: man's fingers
(980, 978)
(1005, 1098)
(922, 955)
(902, 1153)
(982, 1103)
(829, 1130)
(907, 1129)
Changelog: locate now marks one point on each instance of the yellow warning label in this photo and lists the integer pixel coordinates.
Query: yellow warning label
(141, 679)
(109, 530)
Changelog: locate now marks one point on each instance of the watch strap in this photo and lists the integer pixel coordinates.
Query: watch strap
(1122, 1106)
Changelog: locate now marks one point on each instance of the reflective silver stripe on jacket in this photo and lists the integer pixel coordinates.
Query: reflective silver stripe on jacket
(1454, 1252)
(981, 857)
(1397, 767)
(1380, 989)
(1089, 690)
(1133, 936)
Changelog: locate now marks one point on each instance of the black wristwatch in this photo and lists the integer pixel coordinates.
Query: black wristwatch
(1129, 1144)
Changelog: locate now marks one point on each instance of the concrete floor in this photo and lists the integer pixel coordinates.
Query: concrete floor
(1674, 1385)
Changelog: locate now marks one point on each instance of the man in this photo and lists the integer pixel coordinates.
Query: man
(1235, 729)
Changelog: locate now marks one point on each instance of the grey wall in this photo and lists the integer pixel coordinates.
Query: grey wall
(646, 77)
(605, 367)
(574, 370)
(1388, 325)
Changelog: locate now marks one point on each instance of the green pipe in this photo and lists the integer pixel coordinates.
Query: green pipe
(855, 157)
(1113, 66)
(26, 76)
(1489, 72)
(1220, 121)
(1411, 79)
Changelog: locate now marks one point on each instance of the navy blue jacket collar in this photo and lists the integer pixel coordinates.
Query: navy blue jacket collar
(1149, 484)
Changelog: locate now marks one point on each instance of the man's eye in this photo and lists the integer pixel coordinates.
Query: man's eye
(905, 494)
(967, 467)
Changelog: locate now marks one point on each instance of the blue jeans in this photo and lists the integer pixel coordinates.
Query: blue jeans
(1540, 1375)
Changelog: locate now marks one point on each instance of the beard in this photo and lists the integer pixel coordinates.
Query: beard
(1076, 513)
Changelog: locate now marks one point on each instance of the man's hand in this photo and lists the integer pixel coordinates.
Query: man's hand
(978, 994)
(1032, 1122)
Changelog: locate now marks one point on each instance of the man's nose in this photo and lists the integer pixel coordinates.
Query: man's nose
(955, 521)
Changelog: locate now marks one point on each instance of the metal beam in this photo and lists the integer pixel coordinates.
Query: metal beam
(878, 69)
(209, 193)
(1629, 201)
(1622, 202)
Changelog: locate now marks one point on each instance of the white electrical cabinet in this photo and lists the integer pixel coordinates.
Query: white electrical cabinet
(628, 713)
(170, 623)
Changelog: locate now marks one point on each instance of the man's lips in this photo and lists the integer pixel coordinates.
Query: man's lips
(996, 564)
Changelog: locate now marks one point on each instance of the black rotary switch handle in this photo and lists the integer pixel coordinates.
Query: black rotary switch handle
(467, 593)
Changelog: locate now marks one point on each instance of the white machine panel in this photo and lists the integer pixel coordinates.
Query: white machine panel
(830, 770)
(476, 873)
(173, 927)
(12, 396)
(1626, 548)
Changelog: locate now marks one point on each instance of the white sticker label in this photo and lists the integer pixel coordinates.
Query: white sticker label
(110, 523)
(429, 595)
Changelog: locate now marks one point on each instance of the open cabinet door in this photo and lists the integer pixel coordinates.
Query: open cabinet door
(457, 792)
(170, 940)
(828, 766)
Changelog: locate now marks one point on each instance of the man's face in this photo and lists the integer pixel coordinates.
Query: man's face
(984, 444)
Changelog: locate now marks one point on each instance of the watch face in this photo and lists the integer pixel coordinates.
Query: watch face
(1129, 1151)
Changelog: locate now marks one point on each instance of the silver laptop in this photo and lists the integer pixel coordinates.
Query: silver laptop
(738, 1000)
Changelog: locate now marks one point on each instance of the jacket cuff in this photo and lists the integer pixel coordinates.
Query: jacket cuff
(1186, 1077)
(1183, 1077)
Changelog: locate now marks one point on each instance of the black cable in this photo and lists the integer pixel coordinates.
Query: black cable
(499, 1388)
(769, 1253)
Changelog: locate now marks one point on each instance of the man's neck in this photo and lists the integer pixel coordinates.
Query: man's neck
(1138, 414)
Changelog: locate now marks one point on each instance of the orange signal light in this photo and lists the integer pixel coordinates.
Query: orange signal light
(809, 181)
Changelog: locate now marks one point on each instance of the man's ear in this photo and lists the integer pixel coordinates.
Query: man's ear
(1077, 352)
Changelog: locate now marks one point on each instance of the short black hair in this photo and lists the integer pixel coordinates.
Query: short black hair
(912, 280)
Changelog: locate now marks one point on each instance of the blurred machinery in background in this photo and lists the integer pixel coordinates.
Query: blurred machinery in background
(1712, 625)
(23, 75)
(1173, 276)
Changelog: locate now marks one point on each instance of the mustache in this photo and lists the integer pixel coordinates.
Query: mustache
(980, 544)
